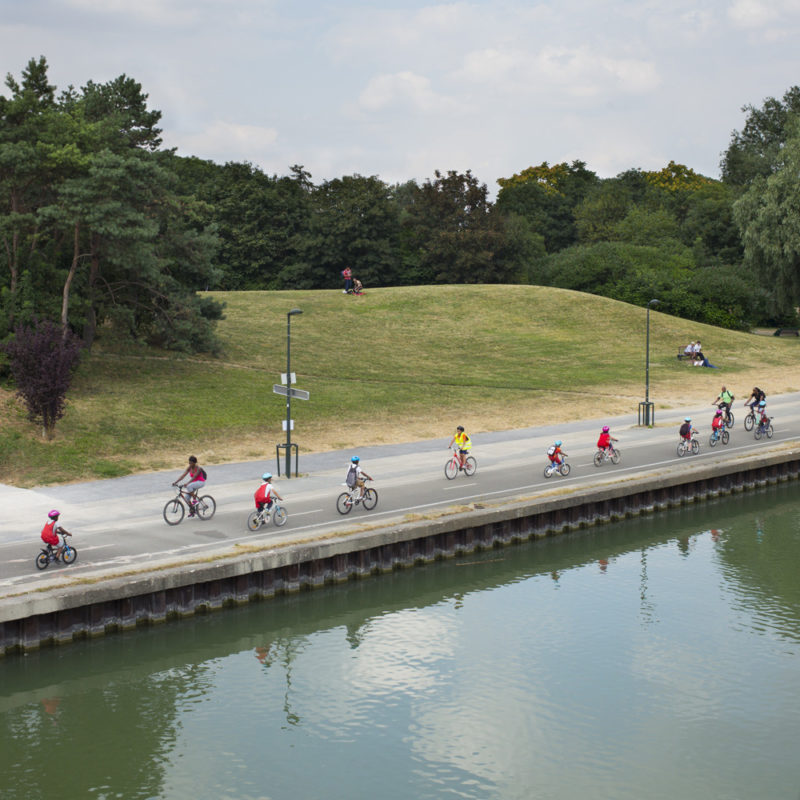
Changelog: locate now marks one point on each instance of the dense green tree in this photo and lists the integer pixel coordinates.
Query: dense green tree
(755, 151)
(90, 219)
(456, 233)
(547, 197)
(768, 216)
(354, 223)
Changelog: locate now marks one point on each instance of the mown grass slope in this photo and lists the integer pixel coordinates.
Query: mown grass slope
(396, 364)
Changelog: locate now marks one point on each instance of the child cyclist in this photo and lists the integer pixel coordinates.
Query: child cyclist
(555, 453)
(686, 429)
(464, 443)
(264, 494)
(718, 423)
(356, 476)
(604, 442)
(51, 530)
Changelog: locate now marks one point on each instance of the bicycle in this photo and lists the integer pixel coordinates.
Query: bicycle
(719, 434)
(750, 420)
(175, 509)
(558, 469)
(727, 413)
(603, 454)
(350, 498)
(453, 466)
(266, 513)
(764, 429)
(689, 445)
(48, 554)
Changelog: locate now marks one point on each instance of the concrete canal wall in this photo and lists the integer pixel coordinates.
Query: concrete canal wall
(103, 602)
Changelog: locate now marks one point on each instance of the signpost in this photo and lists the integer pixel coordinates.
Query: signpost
(286, 389)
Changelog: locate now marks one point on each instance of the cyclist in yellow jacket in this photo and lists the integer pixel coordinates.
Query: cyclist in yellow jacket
(464, 444)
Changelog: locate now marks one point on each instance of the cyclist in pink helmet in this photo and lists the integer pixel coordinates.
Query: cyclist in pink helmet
(604, 442)
(51, 530)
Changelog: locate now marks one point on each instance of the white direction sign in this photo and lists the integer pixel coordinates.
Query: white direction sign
(300, 394)
(283, 378)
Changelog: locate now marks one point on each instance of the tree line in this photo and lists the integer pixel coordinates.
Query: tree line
(103, 229)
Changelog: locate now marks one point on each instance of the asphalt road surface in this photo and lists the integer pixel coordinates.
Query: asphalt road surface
(118, 524)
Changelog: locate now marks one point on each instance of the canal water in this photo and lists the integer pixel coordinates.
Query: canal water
(655, 658)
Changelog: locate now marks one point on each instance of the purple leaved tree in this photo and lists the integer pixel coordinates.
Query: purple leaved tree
(42, 357)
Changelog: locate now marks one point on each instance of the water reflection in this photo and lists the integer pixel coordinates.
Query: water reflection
(580, 666)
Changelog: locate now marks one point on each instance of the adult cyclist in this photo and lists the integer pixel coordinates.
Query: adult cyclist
(723, 403)
(464, 444)
(756, 396)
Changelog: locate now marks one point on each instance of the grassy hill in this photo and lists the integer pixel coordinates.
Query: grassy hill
(396, 364)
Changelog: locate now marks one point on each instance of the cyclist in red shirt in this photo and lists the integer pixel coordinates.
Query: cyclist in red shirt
(265, 492)
(604, 442)
(555, 452)
(51, 530)
(718, 421)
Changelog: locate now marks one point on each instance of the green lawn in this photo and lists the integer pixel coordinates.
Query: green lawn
(394, 364)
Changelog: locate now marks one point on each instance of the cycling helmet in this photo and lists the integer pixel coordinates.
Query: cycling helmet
(266, 476)
(558, 442)
(460, 428)
(762, 403)
(355, 459)
(606, 429)
(687, 419)
(719, 413)
(54, 514)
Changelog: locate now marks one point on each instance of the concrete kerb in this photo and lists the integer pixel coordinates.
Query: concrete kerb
(104, 585)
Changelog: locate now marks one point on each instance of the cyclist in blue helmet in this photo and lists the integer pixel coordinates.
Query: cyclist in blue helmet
(265, 492)
(555, 453)
(356, 476)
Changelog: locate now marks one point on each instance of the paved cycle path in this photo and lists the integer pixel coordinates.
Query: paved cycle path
(118, 521)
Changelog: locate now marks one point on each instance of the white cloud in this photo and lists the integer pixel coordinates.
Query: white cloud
(236, 142)
(400, 88)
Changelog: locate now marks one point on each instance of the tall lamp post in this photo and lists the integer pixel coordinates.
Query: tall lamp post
(646, 416)
(289, 316)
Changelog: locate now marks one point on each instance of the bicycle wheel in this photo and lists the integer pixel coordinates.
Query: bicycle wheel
(206, 506)
(726, 437)
(598, 458)
(451, 469)
(695, 447)
(749, 421)
(731, 419)
(712, 440)
(548, 471)
(254, 520)
(470, 465)
(344, 505)
(370, 499)
(615, 456)
(564, 469)
(69, 555)
(279, 516)
(173, 512)
(757, 433)
(681, 449)
(770, 432)
(42, 561)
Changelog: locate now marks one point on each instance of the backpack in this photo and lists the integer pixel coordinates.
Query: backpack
(552, 450)
(352, 475)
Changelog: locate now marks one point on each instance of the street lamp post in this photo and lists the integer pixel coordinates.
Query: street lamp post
(646, 415)
(289, 316)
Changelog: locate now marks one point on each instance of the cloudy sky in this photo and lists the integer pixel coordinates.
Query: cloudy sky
(401, 88)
